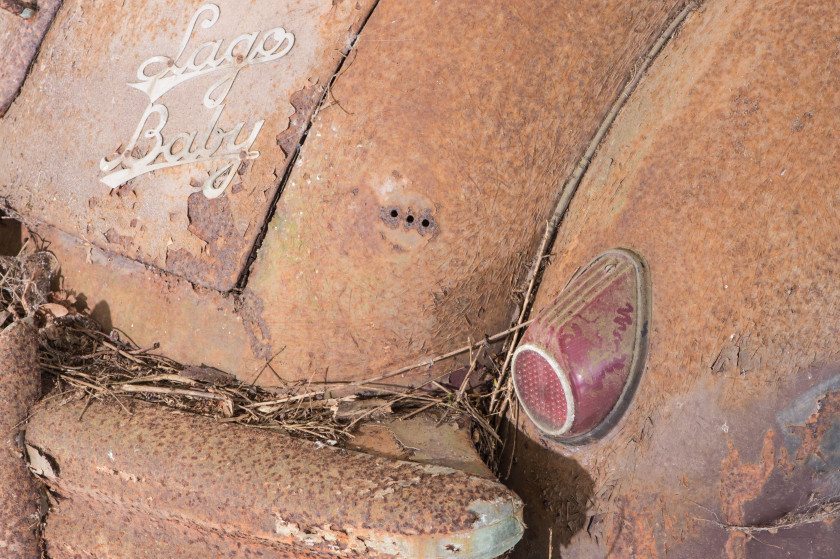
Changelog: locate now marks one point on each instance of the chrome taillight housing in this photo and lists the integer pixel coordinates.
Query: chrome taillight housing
(579, 363)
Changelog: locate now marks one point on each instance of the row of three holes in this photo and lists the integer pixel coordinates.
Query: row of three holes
(410, 218)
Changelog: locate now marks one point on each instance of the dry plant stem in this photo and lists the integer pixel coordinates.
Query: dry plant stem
(173, 391)
(154, 378)
(550, 541)
(403, 396)
(430, 362)
(426, 363)
(9, 271)
(473, 362)
(513, 448)
(825, 512)
(526, 304)
(419, 410)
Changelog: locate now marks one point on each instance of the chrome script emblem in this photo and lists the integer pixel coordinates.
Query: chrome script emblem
(159, 74)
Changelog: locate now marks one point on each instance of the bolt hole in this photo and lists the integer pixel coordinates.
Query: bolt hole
(425, 223)
(394, 213)
(409, 219)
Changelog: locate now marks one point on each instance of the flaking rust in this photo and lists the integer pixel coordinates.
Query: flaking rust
(20, 385)
(131, 481)
(19, 42)
(163, 128)
(729, 191)
(385, 247)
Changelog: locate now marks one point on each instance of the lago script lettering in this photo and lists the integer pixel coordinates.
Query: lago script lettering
(159, 74)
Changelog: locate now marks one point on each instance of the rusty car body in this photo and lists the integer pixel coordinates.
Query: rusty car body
(306, 190)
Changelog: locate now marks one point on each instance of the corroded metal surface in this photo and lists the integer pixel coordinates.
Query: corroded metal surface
(20, 385)
(426, 438)
(159, 475)
(161, 104)
(722, 171)
(425, 183)
(193, 325)
(463, 143)
(20, 40)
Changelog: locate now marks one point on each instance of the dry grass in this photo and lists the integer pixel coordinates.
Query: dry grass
(82, 361)
(86, 363)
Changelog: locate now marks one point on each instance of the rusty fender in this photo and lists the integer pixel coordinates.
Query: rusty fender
(724, 177)
(20, 385)
(129, 483)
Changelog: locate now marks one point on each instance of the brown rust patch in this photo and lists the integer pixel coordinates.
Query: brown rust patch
(19, 43)
(252, 312)
(212, 222)
(20, 385)
(633, 527)
(115, 238)
(191, 476)
(741, 482)
(305, 101)
(818, 425)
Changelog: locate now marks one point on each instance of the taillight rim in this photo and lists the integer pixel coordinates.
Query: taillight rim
(564, 382)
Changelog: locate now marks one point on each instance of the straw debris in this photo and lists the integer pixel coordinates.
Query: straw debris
(82, 361)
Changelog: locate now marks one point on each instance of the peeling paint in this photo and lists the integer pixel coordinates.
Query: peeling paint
(187, 476)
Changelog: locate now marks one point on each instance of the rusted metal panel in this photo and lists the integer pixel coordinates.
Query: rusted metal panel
(20, 39)
(194, 480)
(426, 438)
(721, 172)
(425, 183)
(191, 324)
(345, 287)
(175, 100)
(20, 385)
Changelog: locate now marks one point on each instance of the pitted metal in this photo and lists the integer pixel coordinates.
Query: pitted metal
(721, 171)
(22, 28)
(20, 385)
(175, 100)
(191, 479)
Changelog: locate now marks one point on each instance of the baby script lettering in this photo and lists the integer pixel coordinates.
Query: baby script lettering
(159, 74)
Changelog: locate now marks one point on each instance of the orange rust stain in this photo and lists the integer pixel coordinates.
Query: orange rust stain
(739, 483)
(736, 546)
(633, 529)
(818, 423)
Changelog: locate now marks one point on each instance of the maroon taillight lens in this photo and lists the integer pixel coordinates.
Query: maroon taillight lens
(579, 363)
(544, 391)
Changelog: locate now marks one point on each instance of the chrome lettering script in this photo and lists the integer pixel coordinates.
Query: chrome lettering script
(159, 74)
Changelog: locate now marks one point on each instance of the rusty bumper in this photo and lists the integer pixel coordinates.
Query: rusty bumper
(162, 484)
(20, 385)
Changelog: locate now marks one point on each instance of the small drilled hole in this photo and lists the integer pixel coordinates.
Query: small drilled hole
(394, 213)
(425, 223)
(410, 219)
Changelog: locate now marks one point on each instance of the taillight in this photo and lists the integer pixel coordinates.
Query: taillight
(579, 363)
(544, 390)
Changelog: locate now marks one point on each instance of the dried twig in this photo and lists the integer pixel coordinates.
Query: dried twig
(817, 512)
